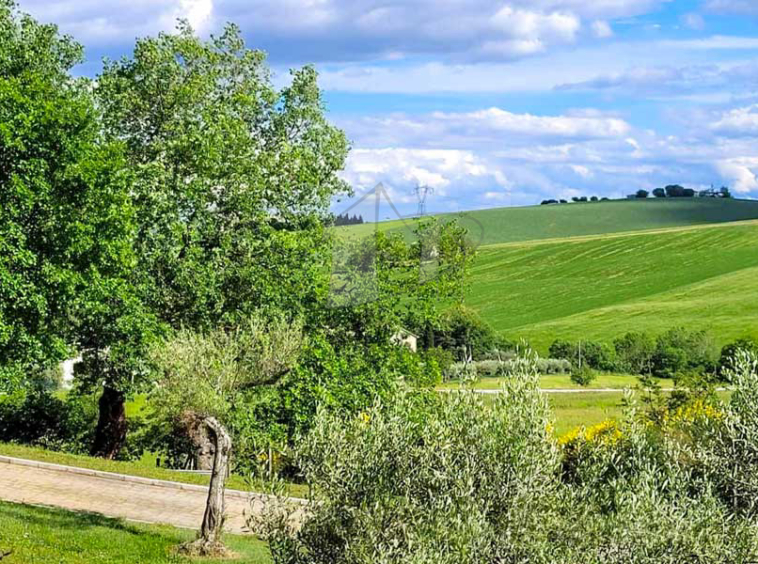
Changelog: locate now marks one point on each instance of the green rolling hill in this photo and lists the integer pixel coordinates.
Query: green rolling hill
(510, 225)
(601, 286)
(597, 270)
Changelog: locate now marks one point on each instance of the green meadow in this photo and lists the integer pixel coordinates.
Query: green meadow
(532, 223)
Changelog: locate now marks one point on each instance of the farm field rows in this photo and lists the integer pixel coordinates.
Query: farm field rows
(601, 287)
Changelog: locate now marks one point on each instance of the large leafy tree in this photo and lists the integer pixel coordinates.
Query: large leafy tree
(66, 222)
(232, 181)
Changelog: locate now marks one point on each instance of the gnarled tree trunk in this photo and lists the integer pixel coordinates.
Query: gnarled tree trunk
(110, 434)
(203, 442)
(209, 540)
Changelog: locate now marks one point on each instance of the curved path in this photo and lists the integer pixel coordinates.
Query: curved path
(117, 495)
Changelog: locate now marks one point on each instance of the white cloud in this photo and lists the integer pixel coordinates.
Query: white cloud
(738, 122)
(740, 172)
(601, 29)
(748, 7)
(117, 22)
(339, 30)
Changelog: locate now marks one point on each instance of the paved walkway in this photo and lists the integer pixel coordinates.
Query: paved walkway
(115, 495)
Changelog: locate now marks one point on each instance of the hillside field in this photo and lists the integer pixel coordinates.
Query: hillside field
(598, 270)
(511, 225)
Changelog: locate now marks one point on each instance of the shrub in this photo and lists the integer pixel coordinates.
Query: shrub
(583, 376)
(428, 478)
(728, 446)
(42, 419)
(553, 366)
(726, 363)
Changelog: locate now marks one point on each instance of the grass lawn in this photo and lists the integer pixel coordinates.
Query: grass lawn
(138, 468)
(44, 536)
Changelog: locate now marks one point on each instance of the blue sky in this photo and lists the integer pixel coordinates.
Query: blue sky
(496, 103)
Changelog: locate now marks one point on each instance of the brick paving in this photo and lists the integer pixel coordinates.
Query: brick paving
(115, 496)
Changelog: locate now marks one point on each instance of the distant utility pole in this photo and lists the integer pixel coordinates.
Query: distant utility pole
(421, 193)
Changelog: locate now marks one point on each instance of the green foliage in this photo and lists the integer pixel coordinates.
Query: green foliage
(595, 355)
(428, 478)
(442, 358)
(233, 178)
(382, 283)
(463, 332)
(434, 478)
(344, 380)
(42, 419)
(203, 374)
(680, 350)
(726, 363)
(634, 352)
(583, 376)
(728, 442)
(65, 218)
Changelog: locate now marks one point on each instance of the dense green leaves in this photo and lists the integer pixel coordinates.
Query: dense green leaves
(65, 216)
(233, 178)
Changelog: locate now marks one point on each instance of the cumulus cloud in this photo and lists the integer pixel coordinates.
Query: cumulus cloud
(494, 157)
(738, 122)
(118, 22)
(740, 172)
(340, 30)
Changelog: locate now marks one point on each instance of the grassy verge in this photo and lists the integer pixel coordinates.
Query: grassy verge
(38, 535)
(137, 468)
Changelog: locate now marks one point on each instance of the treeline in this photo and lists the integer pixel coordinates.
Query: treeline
(346, 219)
(677, 191)
(575, 199)
(677, 353)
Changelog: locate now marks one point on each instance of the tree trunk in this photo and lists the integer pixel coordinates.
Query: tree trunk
(110, 434)
(209, 540)
(203, 442)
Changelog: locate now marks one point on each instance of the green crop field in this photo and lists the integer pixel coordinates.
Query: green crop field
(599, 287)
(597, 270)
(510, 225)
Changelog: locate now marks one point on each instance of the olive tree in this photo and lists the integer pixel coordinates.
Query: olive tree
(202, 375)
